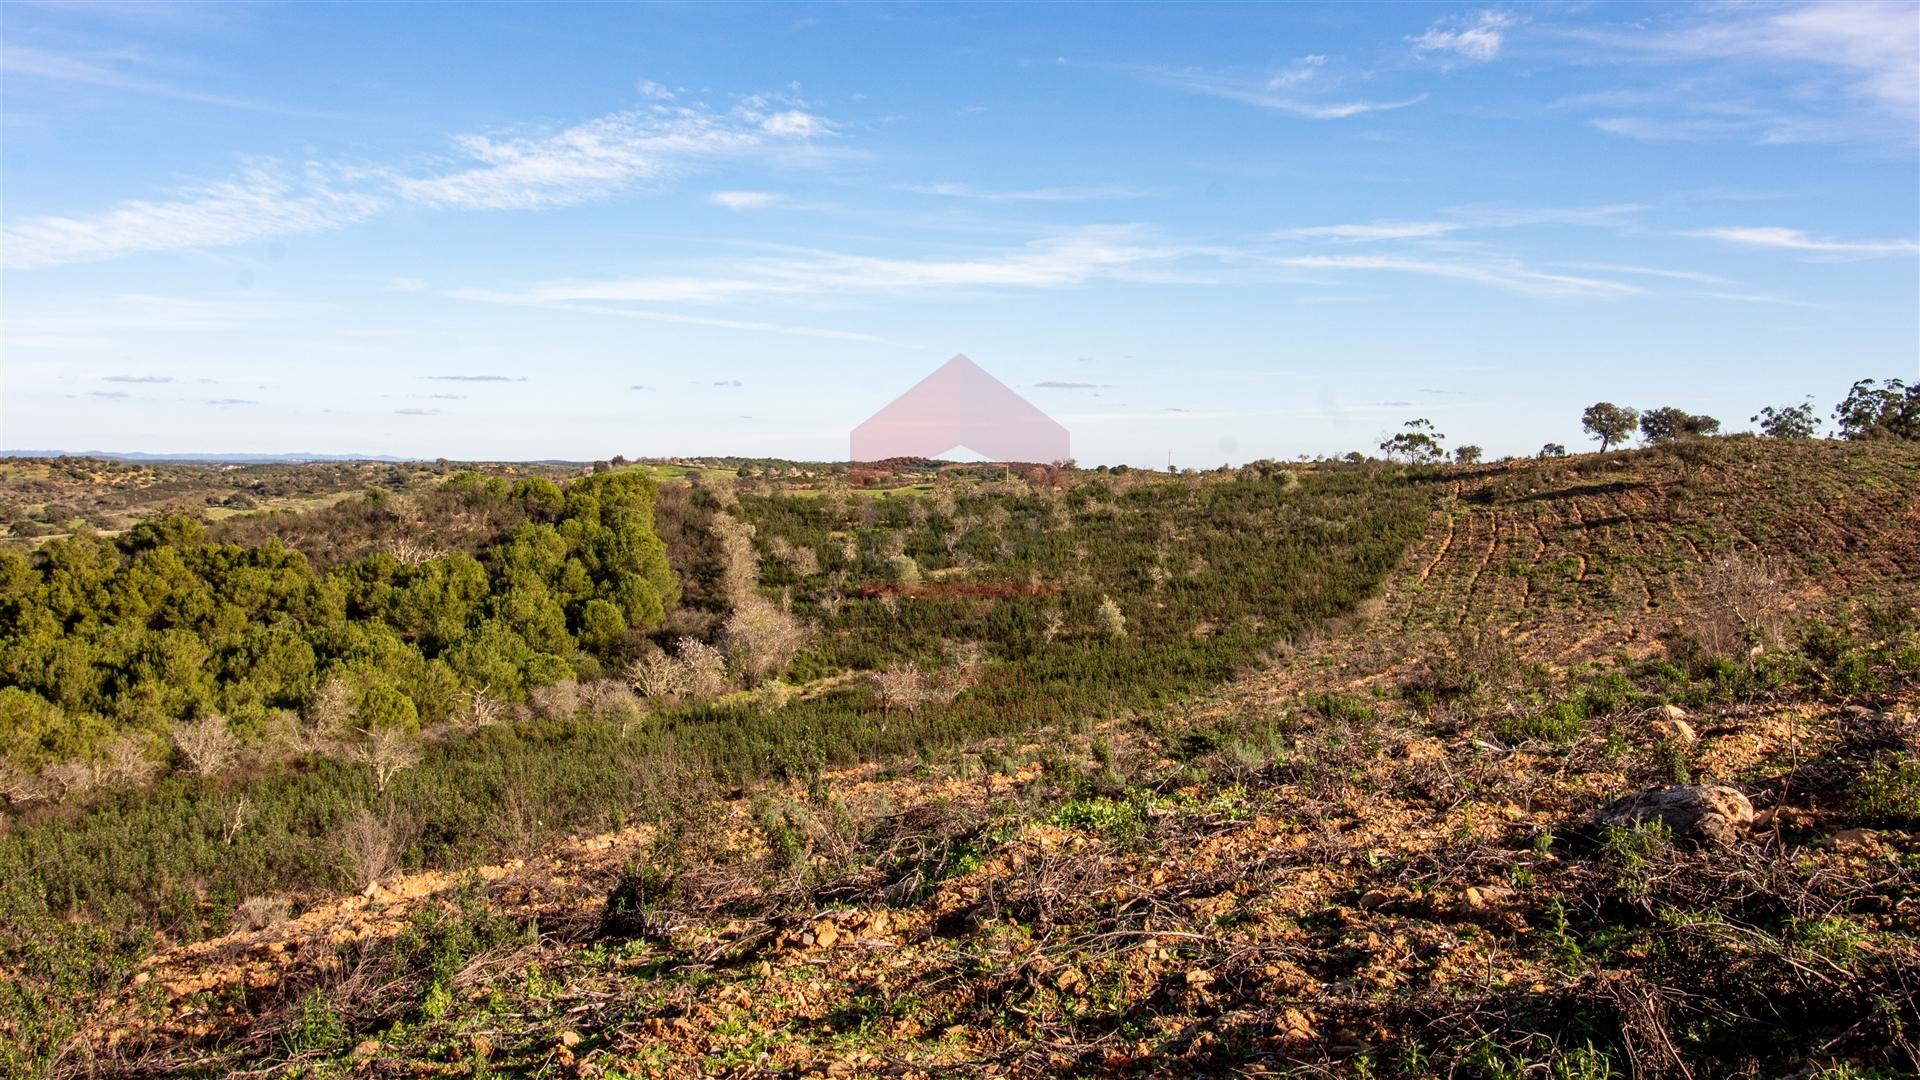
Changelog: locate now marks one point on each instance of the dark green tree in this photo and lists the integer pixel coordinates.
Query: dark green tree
(1889, 410)
(1609, 423)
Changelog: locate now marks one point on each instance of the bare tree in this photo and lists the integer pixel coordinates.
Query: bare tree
(739, 562)
(125, 761)
(702, 669)
(905, 687)
(388, 751)
(206, 744)
(367, 844)
(761, 640)
(1739, 605)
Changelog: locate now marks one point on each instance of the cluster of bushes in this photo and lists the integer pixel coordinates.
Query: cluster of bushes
(122, 656)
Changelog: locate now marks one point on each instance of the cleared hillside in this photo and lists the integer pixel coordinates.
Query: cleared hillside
(1374, 856)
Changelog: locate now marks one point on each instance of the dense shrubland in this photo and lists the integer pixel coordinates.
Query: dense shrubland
(161, 646)
(227, 722)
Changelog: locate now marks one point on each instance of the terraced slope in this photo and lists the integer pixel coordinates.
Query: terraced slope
(1374, 858)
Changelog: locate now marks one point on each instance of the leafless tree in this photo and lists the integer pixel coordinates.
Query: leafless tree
(739, 562)
(761, 640)
(367, 845)
(388, 751)
(125, 761)
(207, 744)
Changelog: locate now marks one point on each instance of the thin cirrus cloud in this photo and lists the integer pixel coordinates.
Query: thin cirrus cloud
(477, 378)
(1079, 193)
(1499, 272)
(1766, 236)
(262, 203)
(1075, 257)
(416, 412)
(137, 378)
(78, 70)
(1770, 74)
(593, 160)
(1477, 40)
(745, 200)
(1458, 219)
(1301, 89)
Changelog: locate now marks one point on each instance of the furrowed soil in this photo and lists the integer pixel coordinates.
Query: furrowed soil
(1373, 856)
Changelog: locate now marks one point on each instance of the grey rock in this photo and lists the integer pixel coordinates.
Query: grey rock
(1714, 814)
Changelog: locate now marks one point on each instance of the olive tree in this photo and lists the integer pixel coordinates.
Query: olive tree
(1609, 423)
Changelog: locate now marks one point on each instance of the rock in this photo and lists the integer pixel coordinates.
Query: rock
(1861, 841)
(569, 1039)
(1297, 1027)
(1486, 896)
(1198, 978)
(1695, 812)
(1373, 898)
(367, 1048)
(825, 934)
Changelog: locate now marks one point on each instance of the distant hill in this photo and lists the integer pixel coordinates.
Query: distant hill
(238, 459)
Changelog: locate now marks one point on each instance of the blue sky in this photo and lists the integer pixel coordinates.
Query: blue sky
(1227, 232)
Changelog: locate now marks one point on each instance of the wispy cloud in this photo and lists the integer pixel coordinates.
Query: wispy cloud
(1477, 39)
(1647, 271)
(1759, 298)
(94, 70)
(477, 378)
(1378, 230)
(1078, 193)
(416, 412)
(1462, 218)
(227, 402)
(109, 395)
(745, 200)
(261, 204)
(137, 378)
(1767, 73)
(1107, 252)
(597, 159)
(601, 157)
(1767, 236)
(1061, 384)
(1299, 90)
(1503, 273)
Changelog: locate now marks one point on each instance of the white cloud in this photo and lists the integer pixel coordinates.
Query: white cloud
(1266, 95)
(1073, 258)
(1082, 193)
(1767, 236)
(262, 203)
(1647, 271)
(591, 160)
(745, 200)
(1876, 44)
(795, 124)
(588, 161)
(650, 89)
(1822, 72)
(1378, 230)
(1501, 273)
(1479, 41)
(1462, 218)
(86, 71)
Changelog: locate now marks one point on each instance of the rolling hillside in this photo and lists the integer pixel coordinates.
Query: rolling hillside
(1373, 855)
